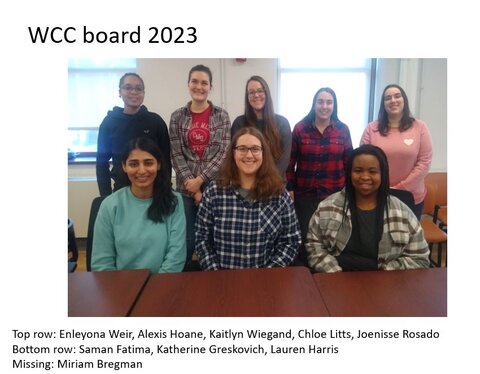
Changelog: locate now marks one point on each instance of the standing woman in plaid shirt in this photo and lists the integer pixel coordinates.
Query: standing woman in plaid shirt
(199, 136)
(246, 218)
(321, 145)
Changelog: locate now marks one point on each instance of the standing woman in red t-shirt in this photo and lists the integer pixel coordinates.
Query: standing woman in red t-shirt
(199, 136)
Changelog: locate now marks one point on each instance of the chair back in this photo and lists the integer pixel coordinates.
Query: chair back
(72, 248)
(91, 224)
(430, 198)
(405, 196)
(440, 180)
(72, 242)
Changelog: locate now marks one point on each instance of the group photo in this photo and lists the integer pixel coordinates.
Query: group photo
(257, 187)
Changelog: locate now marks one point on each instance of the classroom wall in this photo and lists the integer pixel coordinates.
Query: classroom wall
(424, 80)
(167, 90)
(432, 107)
(425, 83)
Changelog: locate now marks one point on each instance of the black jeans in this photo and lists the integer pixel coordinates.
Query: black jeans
(305, 206)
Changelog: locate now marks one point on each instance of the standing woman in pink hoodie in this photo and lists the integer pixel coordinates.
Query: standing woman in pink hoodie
(405, 140)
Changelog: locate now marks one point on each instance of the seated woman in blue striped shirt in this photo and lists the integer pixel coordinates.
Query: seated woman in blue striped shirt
(246, 218)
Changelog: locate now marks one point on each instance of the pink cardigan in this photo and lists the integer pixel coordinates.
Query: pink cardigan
(409, 155)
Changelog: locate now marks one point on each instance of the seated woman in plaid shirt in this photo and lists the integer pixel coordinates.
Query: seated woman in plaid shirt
(246, 218)
(363, 227)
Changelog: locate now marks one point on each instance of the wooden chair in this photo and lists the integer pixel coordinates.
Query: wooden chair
(439, 213)
(434, 235)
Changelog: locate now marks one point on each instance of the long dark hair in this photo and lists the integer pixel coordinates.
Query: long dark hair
(311, 115)
(272, 134)
(164, 201)
(383, 190)
(407, 118)
(268, 181)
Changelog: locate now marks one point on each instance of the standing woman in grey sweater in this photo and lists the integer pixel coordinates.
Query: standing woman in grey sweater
(259, 113)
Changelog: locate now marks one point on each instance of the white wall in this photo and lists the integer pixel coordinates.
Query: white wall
(166, 82)
(424, 80)
(432, 107)
(81, 192)
(425, 83)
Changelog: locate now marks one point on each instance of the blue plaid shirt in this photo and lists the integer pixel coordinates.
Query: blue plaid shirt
(232, 232)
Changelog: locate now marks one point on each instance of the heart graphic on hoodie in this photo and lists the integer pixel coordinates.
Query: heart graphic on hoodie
(408, 141)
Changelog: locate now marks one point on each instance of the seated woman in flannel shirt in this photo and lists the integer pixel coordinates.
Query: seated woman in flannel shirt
(363, 227)
(246, 218)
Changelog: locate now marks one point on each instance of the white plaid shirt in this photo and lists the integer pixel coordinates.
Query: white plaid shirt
(402, 245)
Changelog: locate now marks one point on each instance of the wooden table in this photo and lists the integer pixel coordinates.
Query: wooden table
(233, 293)
(106, 293)
(407, 293)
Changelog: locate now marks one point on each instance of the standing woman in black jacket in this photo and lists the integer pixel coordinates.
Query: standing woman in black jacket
(122, 125)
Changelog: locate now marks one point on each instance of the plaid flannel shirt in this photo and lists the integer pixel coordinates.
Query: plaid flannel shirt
(317, 161)
(402, 245)
(233, 233)
(185, 161)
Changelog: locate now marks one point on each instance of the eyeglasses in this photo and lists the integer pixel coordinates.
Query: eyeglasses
(129, 89)
(243, 150)
(259, 92)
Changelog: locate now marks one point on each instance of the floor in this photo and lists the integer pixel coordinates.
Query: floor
(82, 261)
(82, 255)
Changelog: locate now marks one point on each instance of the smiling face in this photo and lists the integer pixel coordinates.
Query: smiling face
(248, 155)
(256, 97)
(199, 86)
(366, 176)
(393, 102)
(141, 168)
(324, 106)
(132, 93)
